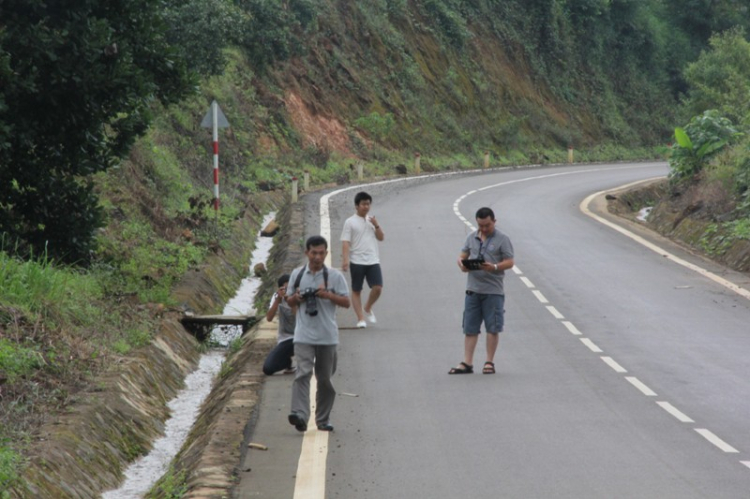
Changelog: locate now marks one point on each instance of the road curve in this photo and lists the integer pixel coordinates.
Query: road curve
(620, 373)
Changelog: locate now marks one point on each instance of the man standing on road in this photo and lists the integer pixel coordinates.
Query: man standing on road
(485, 296)
(316, 291)
(359, 252)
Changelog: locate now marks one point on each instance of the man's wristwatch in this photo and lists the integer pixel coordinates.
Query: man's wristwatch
(495, 266)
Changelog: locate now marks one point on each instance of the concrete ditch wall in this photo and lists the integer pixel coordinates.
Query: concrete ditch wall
(216, 445)
(87, 449)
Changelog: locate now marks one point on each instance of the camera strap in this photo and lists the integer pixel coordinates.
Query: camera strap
(304, 268)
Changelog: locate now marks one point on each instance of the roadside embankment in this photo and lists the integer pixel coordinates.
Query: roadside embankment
(216, 445)
(688, 218)
(87, 448)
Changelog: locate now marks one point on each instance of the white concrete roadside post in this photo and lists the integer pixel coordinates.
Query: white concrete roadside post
(570, 153)
(306, 183)
(295, 188)
(486, 159)
(360, 171)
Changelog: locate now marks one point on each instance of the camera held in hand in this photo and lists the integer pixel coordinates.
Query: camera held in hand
(311, 304)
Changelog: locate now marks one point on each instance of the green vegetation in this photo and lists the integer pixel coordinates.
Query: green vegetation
(76, 91)
(57, 330)
(9, 461)
(698, 142)
(714, 147)
(105, 166)
(172, 485)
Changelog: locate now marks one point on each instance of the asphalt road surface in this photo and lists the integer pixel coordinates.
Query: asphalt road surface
(620, 374)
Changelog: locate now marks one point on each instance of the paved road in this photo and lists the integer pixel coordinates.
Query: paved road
(621, 374)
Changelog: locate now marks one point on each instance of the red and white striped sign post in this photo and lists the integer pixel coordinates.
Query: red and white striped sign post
(215, 119)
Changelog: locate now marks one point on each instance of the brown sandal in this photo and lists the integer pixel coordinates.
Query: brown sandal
(489, 368)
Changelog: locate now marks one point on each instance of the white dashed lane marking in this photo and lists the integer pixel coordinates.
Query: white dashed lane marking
(613, 364)
(555, 313)
(675, 412)
(709, 435)
(645, 390)
(591, 345)
(641, 386)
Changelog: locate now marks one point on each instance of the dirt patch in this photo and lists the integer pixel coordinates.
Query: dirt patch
(318, 131)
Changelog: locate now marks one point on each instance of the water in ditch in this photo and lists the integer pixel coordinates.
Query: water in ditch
(143, 473)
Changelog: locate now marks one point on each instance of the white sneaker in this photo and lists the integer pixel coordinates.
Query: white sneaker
(371, 317)
(361, 324)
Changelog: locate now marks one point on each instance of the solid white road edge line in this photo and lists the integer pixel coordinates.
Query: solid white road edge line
(584, 206)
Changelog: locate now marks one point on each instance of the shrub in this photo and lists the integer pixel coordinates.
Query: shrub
(698, 142)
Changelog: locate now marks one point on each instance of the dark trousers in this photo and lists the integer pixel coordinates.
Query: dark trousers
(279, 358)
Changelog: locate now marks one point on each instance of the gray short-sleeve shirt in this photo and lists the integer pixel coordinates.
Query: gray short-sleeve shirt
(495, 249)
(320, 329)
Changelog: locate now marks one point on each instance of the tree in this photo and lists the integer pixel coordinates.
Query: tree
(720, 78)
(77, 82)
(202, 29)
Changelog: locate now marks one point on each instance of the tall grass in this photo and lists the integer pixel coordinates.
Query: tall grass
(42, 292)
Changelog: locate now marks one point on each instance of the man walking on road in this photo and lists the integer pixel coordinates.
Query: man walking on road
(486, 255)
(316, 291)
(359, 253)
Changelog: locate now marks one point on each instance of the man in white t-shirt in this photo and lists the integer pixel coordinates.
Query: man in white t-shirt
(359, 252)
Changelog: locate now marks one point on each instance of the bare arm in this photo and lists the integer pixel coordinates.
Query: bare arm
(345, 245)
(379, 234)
(274, 307)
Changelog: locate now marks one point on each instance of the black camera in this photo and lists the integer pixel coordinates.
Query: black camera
(311, 304)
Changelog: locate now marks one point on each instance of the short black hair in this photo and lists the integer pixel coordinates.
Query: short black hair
(362, 196)
(484, 213)
(316, 241)
(283, 279)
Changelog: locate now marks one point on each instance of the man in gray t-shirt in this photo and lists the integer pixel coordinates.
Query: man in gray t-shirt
(316, 291)
(492, 252)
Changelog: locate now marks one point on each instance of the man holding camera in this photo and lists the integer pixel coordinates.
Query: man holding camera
(486, 254)
(316, 291)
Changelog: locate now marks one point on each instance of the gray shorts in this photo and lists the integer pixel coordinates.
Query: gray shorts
(479, 308)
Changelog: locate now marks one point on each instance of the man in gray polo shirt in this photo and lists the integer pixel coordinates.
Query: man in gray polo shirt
(316, 290)
(485, 296)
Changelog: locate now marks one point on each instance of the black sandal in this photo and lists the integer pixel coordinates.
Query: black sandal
(466, 369)
(489, 368)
